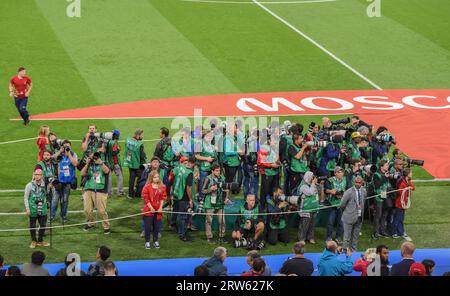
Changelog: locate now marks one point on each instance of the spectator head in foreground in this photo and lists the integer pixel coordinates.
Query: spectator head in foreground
(110, 269)
(251, 256)
(429, 266)
(13, 271)
(220, 253)
(407, 249)
(103, 253)
(259, 265)
(38, 258)
(417, 269)
(299, 248)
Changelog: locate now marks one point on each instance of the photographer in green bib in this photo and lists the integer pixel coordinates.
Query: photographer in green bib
(298, 162)
(269, 168)
(353, 148)
(183, 193)
(206, 156)
(250, 163)
(233, 151)
(286, 140)
(381, 185)
(277, 222)
(96, 190)
(334, 188)
(112, 148)
(35, 200)
(134, 157)
(249, 225)
(184, 146)
(89, 144)
(50, 175)
(309, 205)
(215, 200)
(166, 155)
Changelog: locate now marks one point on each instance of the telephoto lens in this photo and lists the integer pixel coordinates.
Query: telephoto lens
(240, 243)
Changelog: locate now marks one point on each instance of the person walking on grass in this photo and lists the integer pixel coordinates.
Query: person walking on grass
(19, 88)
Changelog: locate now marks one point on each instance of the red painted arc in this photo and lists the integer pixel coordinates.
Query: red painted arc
(421, 132)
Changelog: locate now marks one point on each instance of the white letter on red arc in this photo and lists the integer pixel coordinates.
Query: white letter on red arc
(364, 99)
(309, 102)
(409, 100)
(243, 106)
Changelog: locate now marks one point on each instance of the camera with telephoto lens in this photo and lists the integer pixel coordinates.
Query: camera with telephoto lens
(370, 168)
(232, 186)
(320, 144)
(418, 162)
(201, 203)
(57, 144)
(385, 137)
(341, 121)
(39, 205)
(95, 156)
(293, 199)
(260, 245)
(241, 243)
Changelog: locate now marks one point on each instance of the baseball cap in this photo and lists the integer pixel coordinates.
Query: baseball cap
(417, 269)
(155, 158)
(337, 169)
(356, 135)
(116, 132)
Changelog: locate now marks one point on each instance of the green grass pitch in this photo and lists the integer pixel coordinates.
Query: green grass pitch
(120, 51)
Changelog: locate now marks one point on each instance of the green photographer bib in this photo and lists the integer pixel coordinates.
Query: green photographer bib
(251, 215)
(37, 199)
(298, 165)
(96, 178)
(339, 186)
(283, 221)
(208, 150)
(132, 153)
(214, 200)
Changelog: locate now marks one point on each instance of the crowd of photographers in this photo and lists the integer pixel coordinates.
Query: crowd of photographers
(279, 169)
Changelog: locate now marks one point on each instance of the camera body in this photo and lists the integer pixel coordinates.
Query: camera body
(341, 121)
(417, 162)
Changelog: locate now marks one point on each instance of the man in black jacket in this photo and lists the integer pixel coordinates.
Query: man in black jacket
(402, 268)
(298, 265)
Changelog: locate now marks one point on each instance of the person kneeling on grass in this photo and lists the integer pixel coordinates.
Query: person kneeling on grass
(154, 195)
(248, 223)
(35, 200)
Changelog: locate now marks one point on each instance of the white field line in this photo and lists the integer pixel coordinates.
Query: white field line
(317, 45)
(265, 2)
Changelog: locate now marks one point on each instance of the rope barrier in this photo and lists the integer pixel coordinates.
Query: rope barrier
(186, 213)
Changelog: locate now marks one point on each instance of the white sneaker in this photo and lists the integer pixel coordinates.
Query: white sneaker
(156, 245)
(147, 246)
(142, 234)
(407, 238)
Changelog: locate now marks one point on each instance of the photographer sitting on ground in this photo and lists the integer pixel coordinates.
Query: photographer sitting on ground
(248, 223)
(95, 191)
(277, 224)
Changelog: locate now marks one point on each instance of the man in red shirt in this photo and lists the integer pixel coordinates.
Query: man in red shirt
(20, 88)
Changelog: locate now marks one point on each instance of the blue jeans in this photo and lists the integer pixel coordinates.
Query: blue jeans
(397, 225)
(335, 215)
(182, 220)
(201, 180)
(61, 196)
(250, 181)
(21, 105)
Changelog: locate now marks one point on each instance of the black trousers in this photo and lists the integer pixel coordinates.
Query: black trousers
(133, 182)
(294, 181)
(268, 185)
(230, 175)
(275, 235)
(42, 223)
